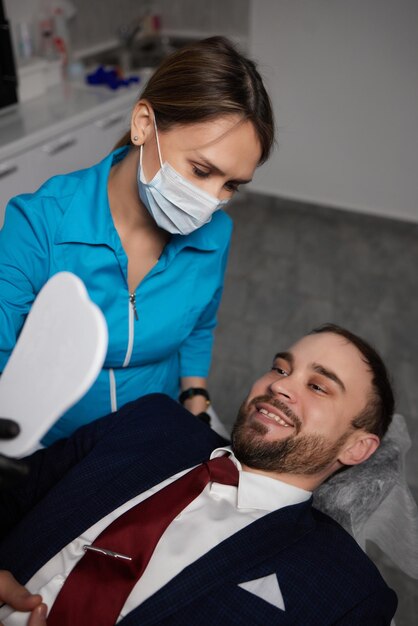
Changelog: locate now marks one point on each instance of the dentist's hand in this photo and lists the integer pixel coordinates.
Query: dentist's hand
(19, 598)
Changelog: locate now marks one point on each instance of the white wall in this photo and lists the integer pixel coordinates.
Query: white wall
(21, 10)
(343, 75)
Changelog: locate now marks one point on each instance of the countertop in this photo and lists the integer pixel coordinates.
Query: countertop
(62, 107)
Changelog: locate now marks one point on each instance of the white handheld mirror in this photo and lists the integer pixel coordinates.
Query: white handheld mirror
(57, 358)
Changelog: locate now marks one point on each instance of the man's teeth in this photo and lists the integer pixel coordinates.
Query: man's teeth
(274, 417)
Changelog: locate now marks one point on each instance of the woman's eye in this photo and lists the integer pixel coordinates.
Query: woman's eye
(200, 173)
(280, 371)
(232, 187)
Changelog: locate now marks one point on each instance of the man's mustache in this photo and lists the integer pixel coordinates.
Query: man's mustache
(278, 404)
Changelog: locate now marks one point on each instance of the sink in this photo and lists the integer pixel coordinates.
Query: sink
(143, 52)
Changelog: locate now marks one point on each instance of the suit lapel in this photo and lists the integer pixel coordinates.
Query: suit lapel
(256, 543)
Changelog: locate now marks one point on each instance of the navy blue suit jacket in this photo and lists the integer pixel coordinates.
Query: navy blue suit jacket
(324, 577)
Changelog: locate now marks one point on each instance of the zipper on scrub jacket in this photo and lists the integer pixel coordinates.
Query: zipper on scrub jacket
(132, 300)
(131, 314)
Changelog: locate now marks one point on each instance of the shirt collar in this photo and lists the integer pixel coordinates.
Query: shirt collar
(204, 238)
(88, 218)
(256, 491)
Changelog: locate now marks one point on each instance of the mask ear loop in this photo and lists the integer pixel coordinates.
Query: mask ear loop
(141, 147)
(158, 142)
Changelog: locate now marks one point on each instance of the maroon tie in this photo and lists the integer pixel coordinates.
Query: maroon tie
(98, 586)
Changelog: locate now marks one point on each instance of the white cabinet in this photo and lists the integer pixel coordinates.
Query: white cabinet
(14, 178)
(58, 155)
(78, 148)
(108, 129)
(73, 149)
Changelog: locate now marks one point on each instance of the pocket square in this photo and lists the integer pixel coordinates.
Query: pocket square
(267, 588)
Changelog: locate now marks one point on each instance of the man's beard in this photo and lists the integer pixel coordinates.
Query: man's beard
(296, 454)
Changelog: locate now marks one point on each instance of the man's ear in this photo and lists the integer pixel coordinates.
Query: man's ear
(142, 125)
(359, 448)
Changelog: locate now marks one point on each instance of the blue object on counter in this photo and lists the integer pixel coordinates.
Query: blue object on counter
(110, 77)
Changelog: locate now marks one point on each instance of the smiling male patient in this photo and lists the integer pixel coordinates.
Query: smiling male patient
(246, 550)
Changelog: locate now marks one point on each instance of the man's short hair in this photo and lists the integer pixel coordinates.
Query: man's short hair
(377, 415)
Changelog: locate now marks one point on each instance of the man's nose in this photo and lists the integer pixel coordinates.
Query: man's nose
(284, 388)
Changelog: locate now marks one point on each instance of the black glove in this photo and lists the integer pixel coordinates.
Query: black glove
(204, 417)
(11, 470)
(8, 429)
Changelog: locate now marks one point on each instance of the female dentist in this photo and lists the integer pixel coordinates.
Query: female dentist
(145, 230)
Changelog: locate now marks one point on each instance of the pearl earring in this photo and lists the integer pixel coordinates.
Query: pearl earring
(136, 138)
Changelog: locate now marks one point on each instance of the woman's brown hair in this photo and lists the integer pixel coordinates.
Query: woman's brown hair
(205, 80)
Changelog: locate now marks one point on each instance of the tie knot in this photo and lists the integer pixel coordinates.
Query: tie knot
(222, 470)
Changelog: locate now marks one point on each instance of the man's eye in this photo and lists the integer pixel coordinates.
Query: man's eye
(316, 387)
(200, 173)
(280, 371)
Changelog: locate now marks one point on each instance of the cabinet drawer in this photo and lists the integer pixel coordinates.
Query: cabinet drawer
(60, 155)
(79, 148)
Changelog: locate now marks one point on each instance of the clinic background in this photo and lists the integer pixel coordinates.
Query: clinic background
(328, 230)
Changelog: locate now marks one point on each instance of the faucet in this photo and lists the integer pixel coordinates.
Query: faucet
(128, 32)
(147, 27)
(126, 35)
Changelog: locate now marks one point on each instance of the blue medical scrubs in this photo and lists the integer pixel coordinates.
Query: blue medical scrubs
(158, 334)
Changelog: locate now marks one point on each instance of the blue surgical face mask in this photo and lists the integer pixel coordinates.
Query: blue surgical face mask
(177, 205)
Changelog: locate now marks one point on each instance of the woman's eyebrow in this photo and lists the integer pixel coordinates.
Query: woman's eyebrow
(214, 168)
(329, 374)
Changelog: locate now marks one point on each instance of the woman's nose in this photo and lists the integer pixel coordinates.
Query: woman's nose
(218, 191)
(214, 186)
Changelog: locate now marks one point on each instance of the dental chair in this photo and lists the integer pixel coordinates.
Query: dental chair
(59, 355)
(372, 501)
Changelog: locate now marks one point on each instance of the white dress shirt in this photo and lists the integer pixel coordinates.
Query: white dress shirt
(216, 514)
